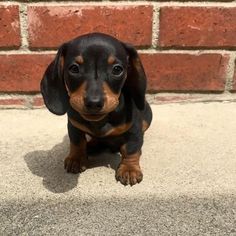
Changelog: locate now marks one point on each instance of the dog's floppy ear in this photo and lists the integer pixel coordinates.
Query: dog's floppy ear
(52, 85)
(136, 81)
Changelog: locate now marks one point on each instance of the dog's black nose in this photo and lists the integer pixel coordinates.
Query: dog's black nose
(94, 104)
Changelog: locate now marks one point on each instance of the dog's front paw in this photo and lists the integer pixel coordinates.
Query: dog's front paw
(75, 165)
(129, 174)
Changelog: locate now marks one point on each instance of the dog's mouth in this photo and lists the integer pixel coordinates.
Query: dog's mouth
(87, 115)
(93, 117)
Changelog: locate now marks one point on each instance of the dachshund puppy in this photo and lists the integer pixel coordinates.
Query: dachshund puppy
(100, 83)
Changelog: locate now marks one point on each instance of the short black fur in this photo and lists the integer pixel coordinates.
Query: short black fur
(132, 114)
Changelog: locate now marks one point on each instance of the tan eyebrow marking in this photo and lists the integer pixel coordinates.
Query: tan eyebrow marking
(111, 59)
(79, 59)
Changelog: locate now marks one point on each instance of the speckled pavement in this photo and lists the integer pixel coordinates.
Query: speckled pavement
(189, 186)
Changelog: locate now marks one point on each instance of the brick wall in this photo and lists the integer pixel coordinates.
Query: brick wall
(187, 47)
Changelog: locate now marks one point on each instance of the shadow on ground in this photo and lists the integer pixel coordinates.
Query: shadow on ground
(50, 166)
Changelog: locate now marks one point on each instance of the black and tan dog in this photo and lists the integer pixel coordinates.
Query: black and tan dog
(100, 83)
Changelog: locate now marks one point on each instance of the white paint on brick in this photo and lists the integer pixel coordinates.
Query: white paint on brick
(230, 72)
(155, 36)
(196, 4)
(15, 25)
(13, 95)
(137, 3)
(92, 3)
(164, 98)
(144, 51)
(68, 11)
(193, 27)
(159, 98)
(27, 51)
(34, 18)
(23, 24)
(128, 3)
(155, 26)
(8, 3)
(28, 100)
(194, 52)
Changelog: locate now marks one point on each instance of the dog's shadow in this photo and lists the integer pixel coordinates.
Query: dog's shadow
(50, 166)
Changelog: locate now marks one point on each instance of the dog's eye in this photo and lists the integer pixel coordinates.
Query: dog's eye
(74, 68)
(117, 70)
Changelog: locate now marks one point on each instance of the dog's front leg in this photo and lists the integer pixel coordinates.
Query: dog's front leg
(77, 159)
(129, 171)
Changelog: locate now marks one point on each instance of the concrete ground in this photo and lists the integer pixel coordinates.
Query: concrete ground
(189, 186)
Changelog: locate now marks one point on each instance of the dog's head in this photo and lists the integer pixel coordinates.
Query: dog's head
(89, 73)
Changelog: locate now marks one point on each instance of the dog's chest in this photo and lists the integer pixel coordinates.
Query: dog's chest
(102, 131)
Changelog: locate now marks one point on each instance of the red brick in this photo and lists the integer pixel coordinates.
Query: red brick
(209, 27)
(184, 72)
(12, 101)
(50, 26)
(38, 102)
(166, 72)
(9, 27)
(22, 73)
